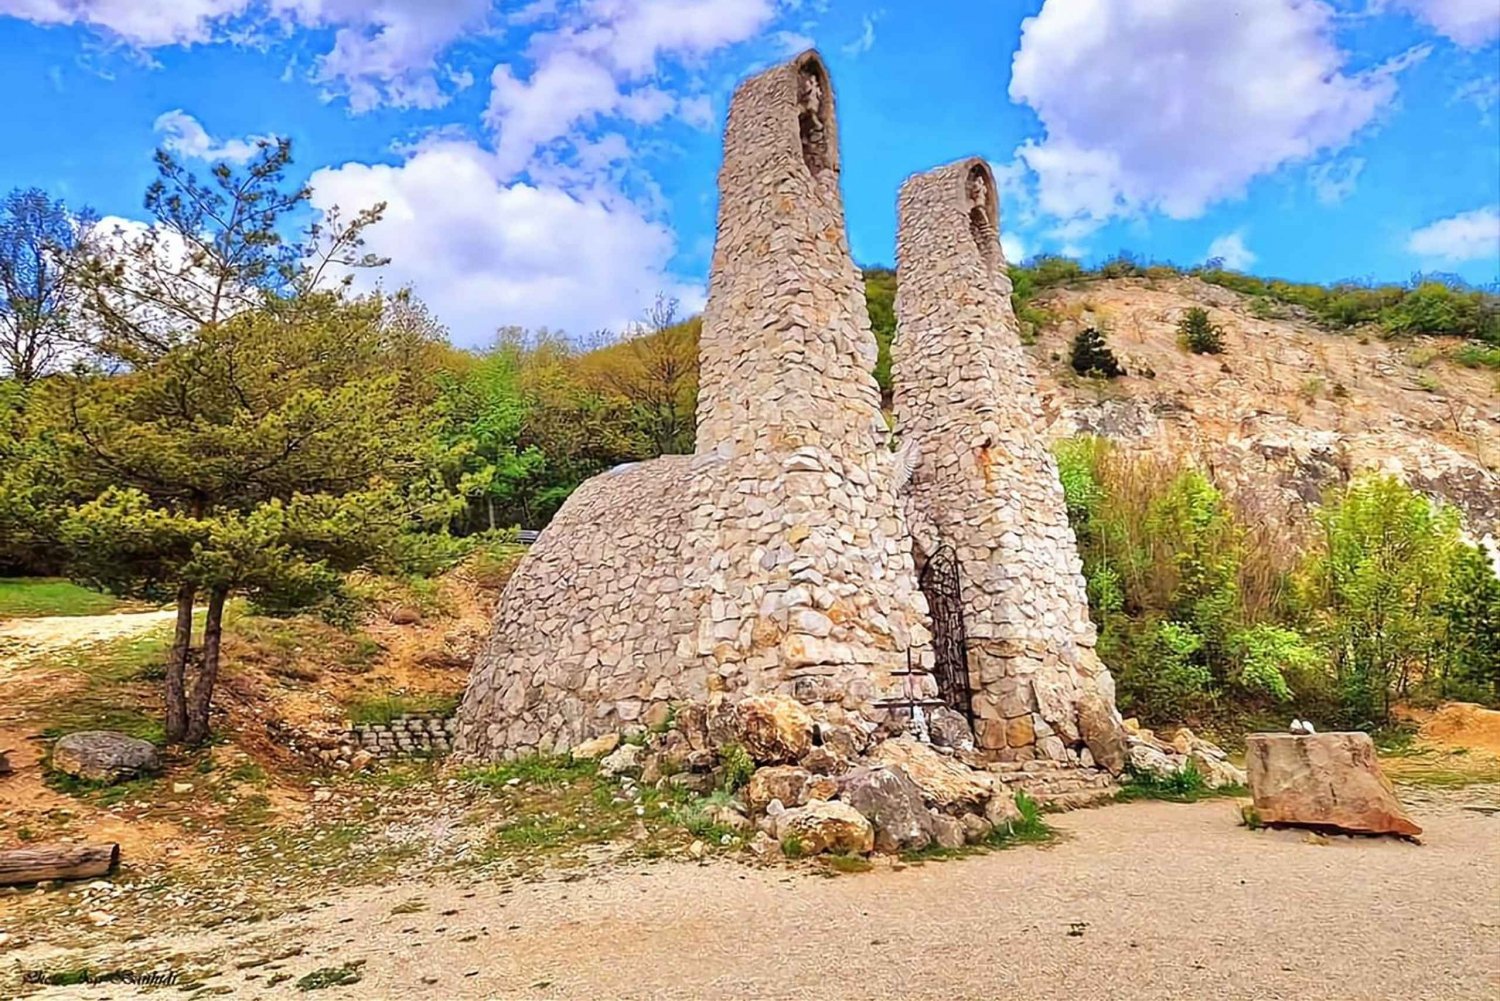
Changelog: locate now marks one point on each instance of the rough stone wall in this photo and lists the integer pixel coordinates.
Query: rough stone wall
(586, 634)
(810, 586)
(985, 482)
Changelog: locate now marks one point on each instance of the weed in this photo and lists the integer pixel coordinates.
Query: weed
(848, 863)
(792, 847)
(738, 766)
(537, 769)
(331, 976)
(1187, 785)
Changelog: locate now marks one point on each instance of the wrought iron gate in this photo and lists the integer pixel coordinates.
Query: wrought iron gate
(942, 582)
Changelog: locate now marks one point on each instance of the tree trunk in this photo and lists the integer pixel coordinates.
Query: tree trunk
(32, 865)
(182, 644)
(491, 502)
(208, 671)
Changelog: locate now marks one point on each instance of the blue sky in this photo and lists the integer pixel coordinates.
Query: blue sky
(552, 162)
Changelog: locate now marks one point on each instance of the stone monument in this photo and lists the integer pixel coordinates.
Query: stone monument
(778, 559)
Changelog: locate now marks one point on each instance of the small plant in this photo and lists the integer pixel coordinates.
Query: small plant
(1186, 785)
(1477, 356)
(1428, 383)
(738, 767)
(1091, 356)
(332, 976)
(792, 847)
(1311, 389)
(1199, 334)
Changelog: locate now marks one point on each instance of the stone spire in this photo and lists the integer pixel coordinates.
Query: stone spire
(986, 483)
(810, 586)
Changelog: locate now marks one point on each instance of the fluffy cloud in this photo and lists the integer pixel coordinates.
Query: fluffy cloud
(1172, 105)
(1230, 248)
(1470, 23)
(388, 51)
(487, 253)
(185, 135)
(384, 51)
(588, 64)
(147, 23)
(1468, 236)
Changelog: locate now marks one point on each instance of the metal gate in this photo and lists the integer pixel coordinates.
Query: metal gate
(942, 583)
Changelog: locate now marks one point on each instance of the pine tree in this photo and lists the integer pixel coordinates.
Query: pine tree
(1199, 334)
(1092, 356)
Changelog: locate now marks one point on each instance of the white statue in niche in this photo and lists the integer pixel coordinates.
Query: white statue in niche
(811, 97)
(979, 192)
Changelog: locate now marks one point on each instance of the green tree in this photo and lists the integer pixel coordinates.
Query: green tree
(263, 455)
(1373, 585)
(1091, 355)
(41, 252)
(1470, 615)
(1199, 334)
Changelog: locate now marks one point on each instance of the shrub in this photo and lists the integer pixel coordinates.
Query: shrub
(1477, 356)
(738, 766)
(1092, 357)
(1265, 653)
(1199, 334)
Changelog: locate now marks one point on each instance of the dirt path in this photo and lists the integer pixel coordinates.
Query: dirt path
(1140, 900)
(27, 639)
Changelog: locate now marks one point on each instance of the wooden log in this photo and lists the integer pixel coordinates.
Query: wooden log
(38, 862)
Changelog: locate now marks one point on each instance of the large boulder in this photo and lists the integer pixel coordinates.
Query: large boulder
(596, 748)
(892, 803)
(773, 729)
(1323, 780)
(104, 756)
(945, 782)
(787, 783)
(1102, 732)
(824, 826)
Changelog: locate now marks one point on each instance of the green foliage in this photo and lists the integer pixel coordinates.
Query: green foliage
(738, 766)
(1478, 356)
(383, 709)
(1199, 334)
(1187, 785)
(880, 298)
(1091, 355)
(32, 596)
(1265, 653)
(1374, 586)
(1469, 614)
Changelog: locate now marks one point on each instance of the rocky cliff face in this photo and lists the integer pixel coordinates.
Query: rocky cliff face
(1287, 410)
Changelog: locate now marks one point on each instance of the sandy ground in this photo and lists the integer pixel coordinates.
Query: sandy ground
(24, 639)
(1142, 900)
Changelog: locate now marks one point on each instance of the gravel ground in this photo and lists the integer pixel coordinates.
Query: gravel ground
(1142, 900)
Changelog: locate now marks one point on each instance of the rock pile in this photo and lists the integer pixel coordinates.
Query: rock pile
(1152, 755)
(408, 735)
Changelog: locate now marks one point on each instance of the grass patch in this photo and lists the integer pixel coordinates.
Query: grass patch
(1184, 786)
(738, 766)
(332, 976)
(848, 863)
(538, 769)
(1478, 356)
(30, 597)
(383, 709)
(102, 794)
(1027, 829)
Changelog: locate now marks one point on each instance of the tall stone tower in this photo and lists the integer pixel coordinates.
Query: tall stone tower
(810, 582)
(986, 486)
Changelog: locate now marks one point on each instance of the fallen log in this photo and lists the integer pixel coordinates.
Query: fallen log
(38, 862)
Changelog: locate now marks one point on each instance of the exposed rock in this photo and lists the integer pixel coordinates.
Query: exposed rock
(773, 728)
(823, 787)
(405, 615)
(893, 804)
(1323, 780)
(945, 783)
(701, 783)
(787, 783)
(949, 728)
(596, 748)
(623, 760)
(104, 756)
(822, 760)
(976, 828)
(825, 825)
(1001, 809)
(728, 816)
(947, 831)
(1102, 732)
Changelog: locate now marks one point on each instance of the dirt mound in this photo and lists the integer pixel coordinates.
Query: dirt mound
(1464, 724)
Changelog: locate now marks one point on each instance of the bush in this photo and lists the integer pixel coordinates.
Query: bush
(1265, 653)
(1092, 357)
(1199, 334)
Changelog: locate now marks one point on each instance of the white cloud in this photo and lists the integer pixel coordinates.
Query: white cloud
(589, 64)
(185, 135)
(389, 51)
(147, 23)
(1172, 105)
(486, 253)
(1013, 247)
(1230, 248)
(1470, 23)
(1335, 180)
(866, 40)
(384, 51)
(1468, 236)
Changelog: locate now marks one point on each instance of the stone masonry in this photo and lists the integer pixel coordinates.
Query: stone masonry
(985, 482)
(778, 558)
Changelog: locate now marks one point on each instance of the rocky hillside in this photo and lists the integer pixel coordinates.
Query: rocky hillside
(1287, 409)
